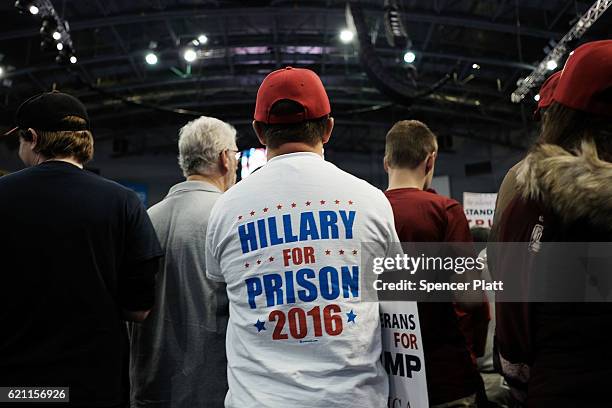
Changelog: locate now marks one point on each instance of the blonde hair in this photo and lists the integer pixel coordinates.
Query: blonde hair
(66, 143)
(408, 143)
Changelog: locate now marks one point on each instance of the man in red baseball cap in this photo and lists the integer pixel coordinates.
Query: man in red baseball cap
(553, 354)
(287, 242)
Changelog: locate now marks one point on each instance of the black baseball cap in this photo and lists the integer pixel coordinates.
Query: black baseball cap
(46, 112)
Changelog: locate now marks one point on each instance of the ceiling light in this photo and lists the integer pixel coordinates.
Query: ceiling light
(33, 10)
(1, 71)
(475, 66)
(59, 46)
(536, 98)
(73, 59)
(190, 55)
(56, 35)
(151, 58)
(409, 57)
(551, 65)
(203, 39)
(346, 36)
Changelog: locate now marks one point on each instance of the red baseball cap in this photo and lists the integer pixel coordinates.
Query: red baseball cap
(585, 83)
(546, 93)
(296, 84)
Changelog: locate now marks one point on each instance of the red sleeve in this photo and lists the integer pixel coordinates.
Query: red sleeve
(473, 324)
(457, 229)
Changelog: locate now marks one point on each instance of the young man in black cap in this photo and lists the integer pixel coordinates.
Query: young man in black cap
(79, 257)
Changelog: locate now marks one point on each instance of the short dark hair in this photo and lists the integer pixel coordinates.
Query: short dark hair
(310, 131)
(64, 143)
(567, 127)
(408, 143)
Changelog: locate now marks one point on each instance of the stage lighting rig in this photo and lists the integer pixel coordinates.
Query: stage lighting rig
(394, 27)
(55, 31)
(551, 61)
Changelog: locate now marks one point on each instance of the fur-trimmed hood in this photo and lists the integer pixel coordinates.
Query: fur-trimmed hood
(576, 185)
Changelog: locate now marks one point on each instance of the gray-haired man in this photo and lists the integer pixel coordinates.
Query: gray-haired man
(178, 354)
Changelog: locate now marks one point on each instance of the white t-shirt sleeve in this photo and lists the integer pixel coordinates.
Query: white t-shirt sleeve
(393, 242)
(213, 268)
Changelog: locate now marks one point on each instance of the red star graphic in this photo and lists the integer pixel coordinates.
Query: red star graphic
(279, 206)
(354, 252)
(327, 252)
(258, 262)
(271, 259)
(252, 213)
(307, 203)
(350, 202)
(265, 209)
(293, 205)
(240, 217)
(322, 202)
(341, 252)
(246, 265)
(337, 201)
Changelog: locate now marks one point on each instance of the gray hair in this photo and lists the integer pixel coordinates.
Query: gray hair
(200, 143)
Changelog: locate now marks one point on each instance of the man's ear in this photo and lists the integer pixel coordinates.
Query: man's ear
(386, 165)
(329, 126)
(430, 161)
(34, 137)
(259, 132)
(224, 162)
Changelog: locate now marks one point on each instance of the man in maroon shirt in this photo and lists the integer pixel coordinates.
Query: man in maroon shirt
(421, 215)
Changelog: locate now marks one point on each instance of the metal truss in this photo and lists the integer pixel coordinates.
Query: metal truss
(539, 73)
(47, 11)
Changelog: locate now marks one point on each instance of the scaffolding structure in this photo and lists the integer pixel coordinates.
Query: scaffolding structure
(536, 77)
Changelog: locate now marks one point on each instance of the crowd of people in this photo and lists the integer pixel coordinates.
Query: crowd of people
(248, 294)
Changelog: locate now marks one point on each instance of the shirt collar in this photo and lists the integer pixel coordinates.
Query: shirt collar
(294, 155)
(194, 185)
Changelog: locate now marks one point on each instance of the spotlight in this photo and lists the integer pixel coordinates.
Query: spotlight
(536, 98)
(409, 57)
(33, 10)
(59, 46)
(190, 55)
(475, 66)
(73, 59)
(56, 36)
(346, 36)
(1, 71)
(195, 42)
(151, 58)
(551, 65)
(203, 39)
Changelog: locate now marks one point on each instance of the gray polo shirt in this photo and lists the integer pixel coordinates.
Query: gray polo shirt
(178, 353)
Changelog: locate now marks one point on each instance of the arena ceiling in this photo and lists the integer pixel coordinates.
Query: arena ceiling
(484, 47)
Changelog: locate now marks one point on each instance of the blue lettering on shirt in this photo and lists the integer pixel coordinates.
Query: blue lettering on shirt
(324, 225)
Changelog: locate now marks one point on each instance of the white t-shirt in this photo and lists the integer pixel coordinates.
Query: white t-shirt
(287, 242)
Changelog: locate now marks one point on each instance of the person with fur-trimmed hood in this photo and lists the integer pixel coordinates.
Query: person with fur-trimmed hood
(555, 354)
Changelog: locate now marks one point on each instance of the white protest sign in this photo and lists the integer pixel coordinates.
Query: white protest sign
(402, 355)
(479, 209)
